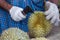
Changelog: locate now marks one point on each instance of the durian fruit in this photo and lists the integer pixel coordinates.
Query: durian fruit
(14, 34)
(38, 25)
(40, 38)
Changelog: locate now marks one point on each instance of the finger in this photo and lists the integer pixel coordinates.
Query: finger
(49, 16)
(59, 20)
(53, 19)
(56, 23)
(20, 18)
(15, 17)
(20, 9)
(47, 12)
(21, 15)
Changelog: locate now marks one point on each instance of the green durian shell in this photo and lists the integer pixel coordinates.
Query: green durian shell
(38, 25)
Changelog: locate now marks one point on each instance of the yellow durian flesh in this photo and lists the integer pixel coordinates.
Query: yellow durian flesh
(14, 34)
(38, 25)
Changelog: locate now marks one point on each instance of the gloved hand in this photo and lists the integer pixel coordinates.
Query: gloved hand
(52, 13)
(16, 13)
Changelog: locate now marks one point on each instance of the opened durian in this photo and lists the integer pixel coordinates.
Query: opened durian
(14, 34)
(38, 25)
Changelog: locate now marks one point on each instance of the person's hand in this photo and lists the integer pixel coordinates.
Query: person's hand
(52, 13)
(16, 13)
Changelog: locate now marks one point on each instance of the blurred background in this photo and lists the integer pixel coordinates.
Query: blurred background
(59, 5)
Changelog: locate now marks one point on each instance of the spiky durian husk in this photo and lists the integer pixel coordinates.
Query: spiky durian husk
(14, 34)
(40, 38)
(38, 25)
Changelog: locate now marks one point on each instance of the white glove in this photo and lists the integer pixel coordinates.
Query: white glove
(52, 13)
(16, 13)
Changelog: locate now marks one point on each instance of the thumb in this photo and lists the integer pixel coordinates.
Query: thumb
(47, 12)
(21, 9)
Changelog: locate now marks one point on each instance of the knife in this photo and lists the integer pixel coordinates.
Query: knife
(26, 10)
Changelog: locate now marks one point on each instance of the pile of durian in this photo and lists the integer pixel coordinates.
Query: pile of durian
(38, 25)
(14, 34)
(17, 34)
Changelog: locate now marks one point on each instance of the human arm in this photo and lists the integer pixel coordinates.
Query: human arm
(14, 11)
(5, 5)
